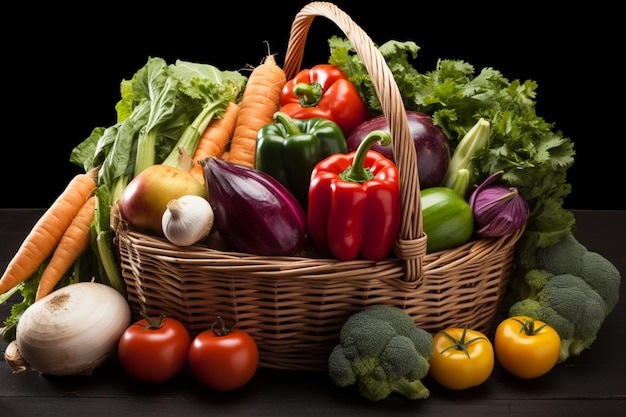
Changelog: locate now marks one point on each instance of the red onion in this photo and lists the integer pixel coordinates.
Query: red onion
(498, 210)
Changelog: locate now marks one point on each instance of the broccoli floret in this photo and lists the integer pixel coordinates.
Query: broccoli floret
(356, 338)
(526, 307)
(404, 325)
(565, 328)
(564, 257)
(382, 351)
(573, 299)
(536, 279)
(525, 284)
(603, 277)
(340, 368)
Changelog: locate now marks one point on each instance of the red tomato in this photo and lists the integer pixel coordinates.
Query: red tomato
(223, 360)
(154, 349)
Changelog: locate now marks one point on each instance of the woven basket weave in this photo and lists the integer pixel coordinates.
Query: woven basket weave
(294, 307)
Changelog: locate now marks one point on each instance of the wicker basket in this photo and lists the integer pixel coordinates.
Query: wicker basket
(294, 307)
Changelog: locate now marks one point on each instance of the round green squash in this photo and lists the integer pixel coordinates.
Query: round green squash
(448, 220)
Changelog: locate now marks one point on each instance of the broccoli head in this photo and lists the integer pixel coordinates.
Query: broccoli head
(382, 351)
(571, 289)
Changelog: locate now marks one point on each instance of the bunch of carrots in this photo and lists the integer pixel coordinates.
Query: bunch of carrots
(233, 137)
(63, 232)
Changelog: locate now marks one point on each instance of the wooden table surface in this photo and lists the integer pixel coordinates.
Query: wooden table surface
(593, 384)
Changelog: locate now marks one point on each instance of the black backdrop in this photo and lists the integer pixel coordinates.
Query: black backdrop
(62, 73)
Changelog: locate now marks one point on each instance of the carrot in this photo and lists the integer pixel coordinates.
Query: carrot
(259, 102)
(215, 137)
(73, 243)
(46, 233)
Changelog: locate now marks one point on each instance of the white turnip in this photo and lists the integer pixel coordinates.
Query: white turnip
(71, 331)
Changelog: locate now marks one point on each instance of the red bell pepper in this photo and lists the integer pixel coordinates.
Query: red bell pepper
(354, 202)
(324, 91)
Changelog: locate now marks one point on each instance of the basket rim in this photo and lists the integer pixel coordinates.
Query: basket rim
(200, 252)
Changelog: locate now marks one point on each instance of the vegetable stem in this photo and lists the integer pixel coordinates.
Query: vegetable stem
(104, 242)
(109, 263)
(118, 187)
(309, 94)
(357, 172)
(476, 138)
(146, 152)
(5, 297)
(191, 135)
(461, 182)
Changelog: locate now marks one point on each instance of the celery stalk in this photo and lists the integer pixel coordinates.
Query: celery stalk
(476, 138)
(163, 112)
(109, 262)
(118, 188)
(146, 154)
(461, 182)
(191, 135)
(104, 245)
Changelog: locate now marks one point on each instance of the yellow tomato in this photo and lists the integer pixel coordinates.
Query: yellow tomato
(462, 358)
(525, 347)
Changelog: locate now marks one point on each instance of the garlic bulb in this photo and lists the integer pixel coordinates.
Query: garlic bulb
(498, 210)
(71, 331)
(13, 357)
(187, 220)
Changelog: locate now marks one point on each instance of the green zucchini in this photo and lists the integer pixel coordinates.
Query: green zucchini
(447, 218)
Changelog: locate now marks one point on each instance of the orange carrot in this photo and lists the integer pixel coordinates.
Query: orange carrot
(259, 102)
(46, 233)
(73, 243)
(215, 137)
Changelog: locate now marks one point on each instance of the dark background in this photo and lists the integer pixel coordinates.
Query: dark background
(64, 71)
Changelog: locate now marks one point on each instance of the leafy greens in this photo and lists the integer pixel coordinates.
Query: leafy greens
(534, 157)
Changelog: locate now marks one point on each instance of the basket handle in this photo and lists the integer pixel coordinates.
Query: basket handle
(410, 245)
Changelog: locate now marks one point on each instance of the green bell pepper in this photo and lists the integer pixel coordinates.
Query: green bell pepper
(288, 149)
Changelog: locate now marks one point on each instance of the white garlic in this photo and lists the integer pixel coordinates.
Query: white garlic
(187, 220)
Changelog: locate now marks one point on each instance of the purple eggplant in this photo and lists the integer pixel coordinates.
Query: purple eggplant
(431, 145)
(254, 213)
